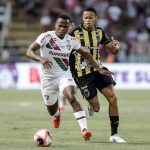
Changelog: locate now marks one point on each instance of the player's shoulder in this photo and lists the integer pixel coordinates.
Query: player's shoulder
(46, 34)
(49, 33)
(99, 28)
(74, 29)
(69, 37)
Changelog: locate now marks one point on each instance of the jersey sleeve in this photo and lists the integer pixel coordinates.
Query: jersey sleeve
(105, 38)
(73, 30)
(76, 44)
(41, 39)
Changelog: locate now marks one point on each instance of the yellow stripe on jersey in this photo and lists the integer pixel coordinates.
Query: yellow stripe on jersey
(100, 34)
(86, 37)
(77, 35)
(87, 44)
(95, 44)
(78, 62)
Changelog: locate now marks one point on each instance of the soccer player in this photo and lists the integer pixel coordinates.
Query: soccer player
(89, 78)
(55, 47)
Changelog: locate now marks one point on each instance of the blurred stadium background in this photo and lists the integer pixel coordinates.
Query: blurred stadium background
(21, 21)
(127, 20)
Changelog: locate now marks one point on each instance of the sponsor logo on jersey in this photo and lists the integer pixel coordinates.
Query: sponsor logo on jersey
(59, 54)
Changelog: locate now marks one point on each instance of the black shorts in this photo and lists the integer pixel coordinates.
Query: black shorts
(90, 83)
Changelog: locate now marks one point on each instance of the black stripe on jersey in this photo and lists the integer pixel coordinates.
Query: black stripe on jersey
(91, 46)
(97, 36)
(105, 39)
(98, 42)
(81, 37)
(91, 42)
(82, 41)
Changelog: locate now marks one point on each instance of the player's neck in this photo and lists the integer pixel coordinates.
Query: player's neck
(88, 28)
(60, 36)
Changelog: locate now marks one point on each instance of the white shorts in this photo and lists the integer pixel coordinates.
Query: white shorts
(52, 88)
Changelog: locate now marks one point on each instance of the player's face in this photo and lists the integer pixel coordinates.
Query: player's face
(62, 27)
(89, 19)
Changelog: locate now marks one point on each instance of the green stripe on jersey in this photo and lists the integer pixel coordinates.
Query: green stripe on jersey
(61, 63)
(48, 46)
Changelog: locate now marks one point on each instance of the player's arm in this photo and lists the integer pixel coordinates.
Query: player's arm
(32, 54)
(86, 55)
(113, 46)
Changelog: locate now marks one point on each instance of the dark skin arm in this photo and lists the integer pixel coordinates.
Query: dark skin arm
(86, 55)
(113, 46)
(31, 53)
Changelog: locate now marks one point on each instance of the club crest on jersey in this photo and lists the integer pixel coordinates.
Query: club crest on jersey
(68, 47)
(46, 97)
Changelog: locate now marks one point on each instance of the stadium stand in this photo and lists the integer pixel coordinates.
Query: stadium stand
(5, 19)
(129, 23)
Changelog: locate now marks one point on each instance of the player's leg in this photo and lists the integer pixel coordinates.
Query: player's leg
(79, 113)
(94, 105)
(68, 87)
(105, 86)
(62, 102)
(51, 103)
(50, 97)
(88, 88)
(109, 93)
(52, 109)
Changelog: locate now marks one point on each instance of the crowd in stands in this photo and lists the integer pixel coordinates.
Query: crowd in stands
(2, 19)
(127, 20)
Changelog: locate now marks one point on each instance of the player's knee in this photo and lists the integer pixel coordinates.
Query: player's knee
(71, 98)
(113, 100)
(96, 108)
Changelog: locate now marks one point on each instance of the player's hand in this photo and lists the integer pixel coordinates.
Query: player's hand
(116, 44)
(46, 63)
(105, 72)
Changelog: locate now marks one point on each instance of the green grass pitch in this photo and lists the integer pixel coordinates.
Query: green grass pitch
(22, 112)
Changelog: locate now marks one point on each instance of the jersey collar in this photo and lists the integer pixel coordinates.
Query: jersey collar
(58, 37)
(82, 26)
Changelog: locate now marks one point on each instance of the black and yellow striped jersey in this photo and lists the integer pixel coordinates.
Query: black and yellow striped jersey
(91, 40)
